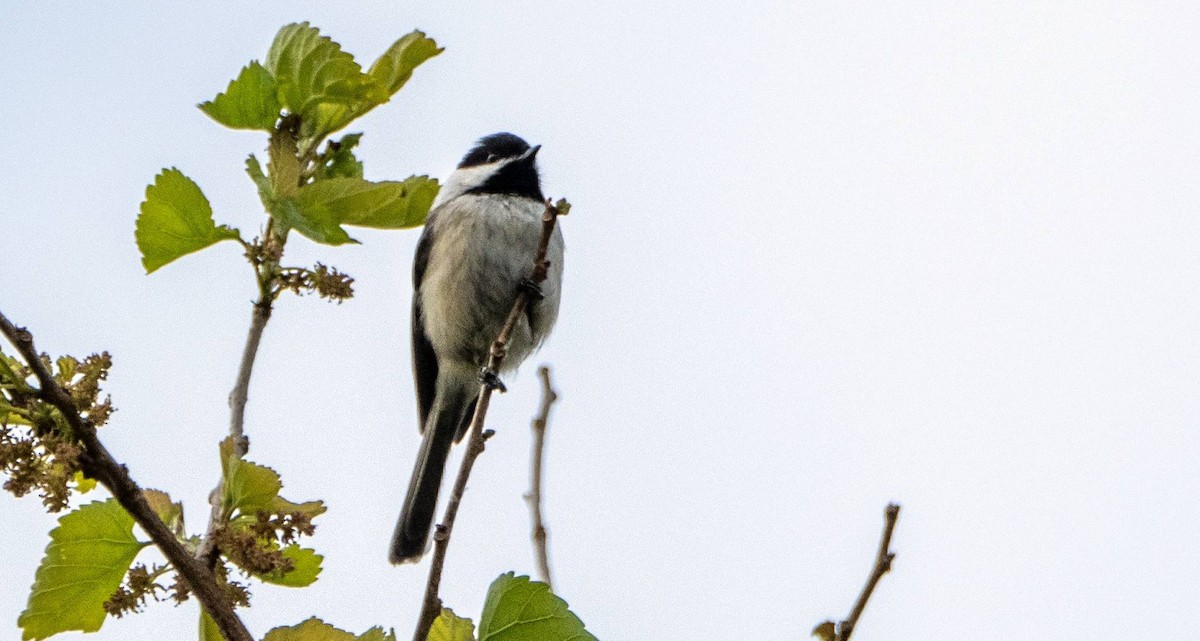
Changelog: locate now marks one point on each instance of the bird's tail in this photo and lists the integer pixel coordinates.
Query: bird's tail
(441, 431)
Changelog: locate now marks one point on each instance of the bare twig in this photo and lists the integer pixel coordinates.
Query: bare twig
(883, 563)
(241, 389)
(534, 497)
(207, 550)
(99, 464)
(432, 605)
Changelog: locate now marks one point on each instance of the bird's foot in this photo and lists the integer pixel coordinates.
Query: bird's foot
(488, 377)
(529, 287)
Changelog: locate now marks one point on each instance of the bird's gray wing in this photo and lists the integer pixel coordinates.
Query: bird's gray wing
(425, 366)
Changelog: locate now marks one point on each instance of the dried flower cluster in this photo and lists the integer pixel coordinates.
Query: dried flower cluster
(38, 451)
(325, 281)
(140, 584)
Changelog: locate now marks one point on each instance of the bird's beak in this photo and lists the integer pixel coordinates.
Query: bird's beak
(529, 155)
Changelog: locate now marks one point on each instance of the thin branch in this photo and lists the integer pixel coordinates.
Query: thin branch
(241, 389)
(266, 270)
(534, 497)
(883, 563)
(99, 464)
(207, 550)
(432, 605)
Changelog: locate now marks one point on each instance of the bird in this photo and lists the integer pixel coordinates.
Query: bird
(474, 257)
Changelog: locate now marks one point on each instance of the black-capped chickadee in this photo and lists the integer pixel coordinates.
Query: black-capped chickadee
(477, 251)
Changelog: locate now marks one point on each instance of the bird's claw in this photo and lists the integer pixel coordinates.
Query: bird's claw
(489, 378)
(529, 287)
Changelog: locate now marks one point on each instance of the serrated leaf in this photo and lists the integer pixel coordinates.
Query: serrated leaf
(339, 160)
(318, 80)
(451, 627)
(248, 487)
(171, 513)
(396, 65)
(306, 565)
(318, 224)
(176, 220)
(250, 102)
(377, 634)
(208, 628)
(89, 553)
(382, 205)
(518, 609)
(312, 629)
(825, 631)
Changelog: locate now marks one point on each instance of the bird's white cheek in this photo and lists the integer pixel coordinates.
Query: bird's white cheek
(463, 180)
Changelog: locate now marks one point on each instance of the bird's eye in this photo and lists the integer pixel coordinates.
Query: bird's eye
(491, 157)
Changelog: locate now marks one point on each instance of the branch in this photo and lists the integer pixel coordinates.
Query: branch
(534, 497)
(207, 550)
(883, 563)
(266, 267)
(99, 464)
(432, 605)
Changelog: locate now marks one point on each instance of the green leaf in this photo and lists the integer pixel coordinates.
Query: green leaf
(250, 102)
(312, 629)
(248, 487)
(10, 415)
(255, 170)
(338, 161)
(89, 553)
(67, 367)
(377, 634)
(208, 628)
(311, 509)
(382, 205)
(396, 65)
(7, 373)
(306, 566)
(170, 512)
(176, 220)
(451, 627)
(518, 609)
(387, 75)
(316, 223)
(251, 488)
(319, 81)
(83, 484)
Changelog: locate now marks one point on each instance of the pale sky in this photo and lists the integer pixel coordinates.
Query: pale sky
(822, 256)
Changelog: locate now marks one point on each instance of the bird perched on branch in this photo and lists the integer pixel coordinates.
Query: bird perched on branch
(474, 257)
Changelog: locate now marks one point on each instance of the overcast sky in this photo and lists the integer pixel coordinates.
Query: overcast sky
(823, 256)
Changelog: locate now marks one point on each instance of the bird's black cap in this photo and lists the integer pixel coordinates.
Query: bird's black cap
(494, 147)
(518, 178)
